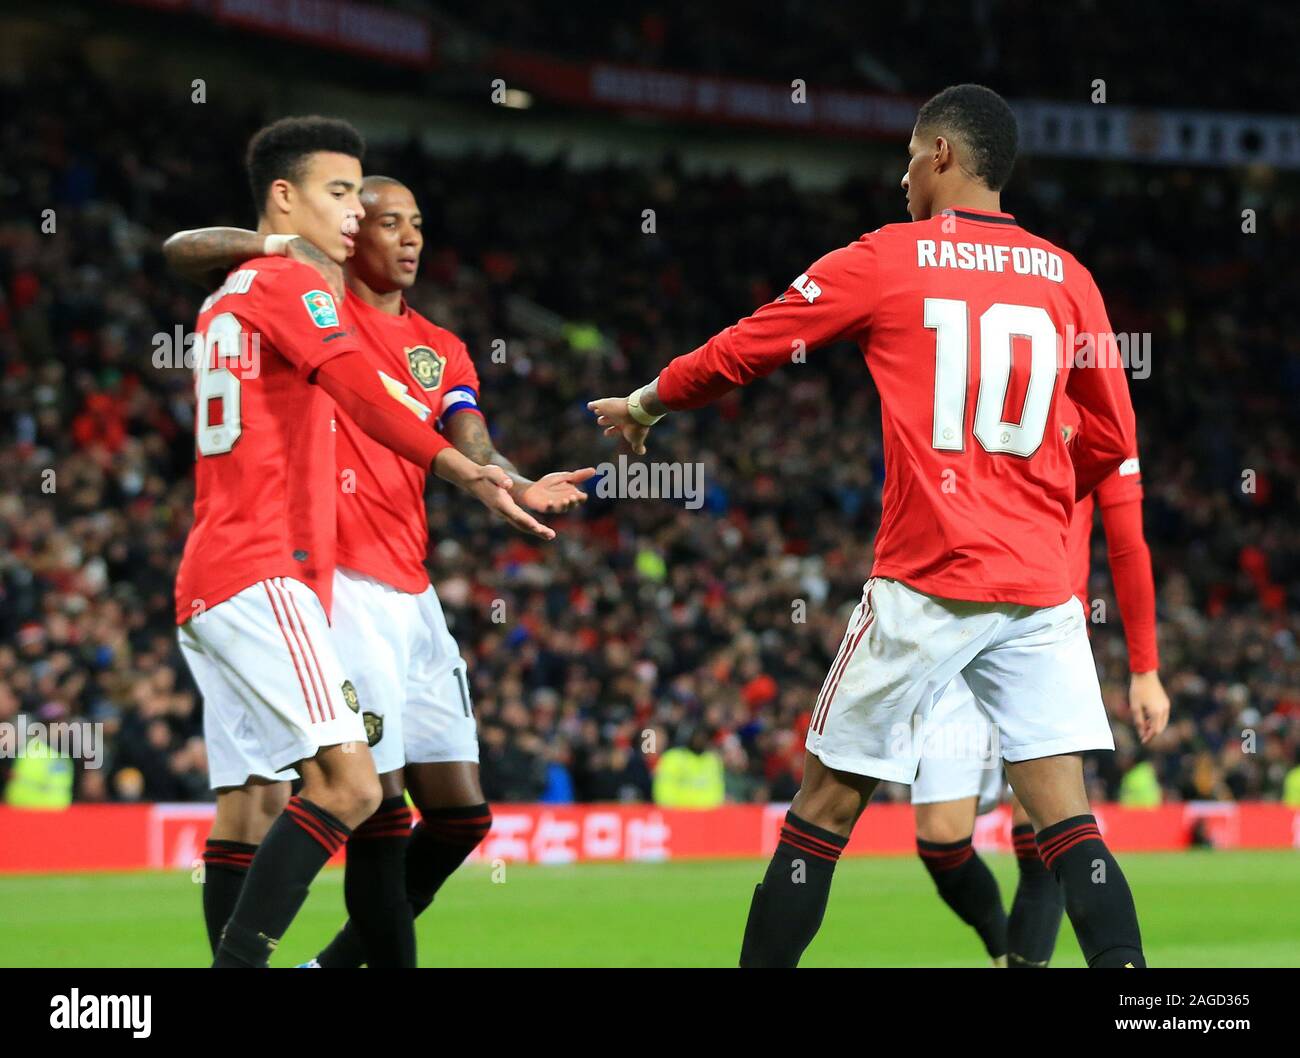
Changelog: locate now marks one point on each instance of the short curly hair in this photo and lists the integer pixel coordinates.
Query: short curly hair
(983, 122)
(280, 151)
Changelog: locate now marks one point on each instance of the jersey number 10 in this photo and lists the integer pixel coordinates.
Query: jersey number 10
(949, 319)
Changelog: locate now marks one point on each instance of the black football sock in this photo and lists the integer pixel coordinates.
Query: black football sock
(969, 888)
(433, 851)
(789, 903)
(1097, 896)
(376, 876)
(299, 843)
(439, 844)
(374, 887)
(225, 863)
(1037, 908)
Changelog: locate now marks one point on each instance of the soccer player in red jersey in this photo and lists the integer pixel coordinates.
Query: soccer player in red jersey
(960, 317)
(408, 676)
(275, 364)
(959, 778)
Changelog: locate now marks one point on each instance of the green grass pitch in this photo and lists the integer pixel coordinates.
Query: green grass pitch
(1197, 909)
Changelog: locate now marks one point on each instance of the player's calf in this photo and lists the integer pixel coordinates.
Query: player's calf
(338, 779)
(244, 815)
(455, 818)
(1097, 895)
(297, 846)
(374, 888)
(225, 865)
(342, 781)
(1039, 902)
(963, 880)
(790, 902)
(441, 842)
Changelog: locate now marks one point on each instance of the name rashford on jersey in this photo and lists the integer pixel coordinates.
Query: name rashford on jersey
(961, 321)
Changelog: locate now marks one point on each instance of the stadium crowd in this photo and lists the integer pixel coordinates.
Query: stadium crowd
(647, 624)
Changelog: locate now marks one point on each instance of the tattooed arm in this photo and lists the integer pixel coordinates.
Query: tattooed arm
(554, 493)
(205, 255)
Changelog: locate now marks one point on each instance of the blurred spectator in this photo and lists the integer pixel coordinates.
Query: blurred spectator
(690, 775)
(39, 779)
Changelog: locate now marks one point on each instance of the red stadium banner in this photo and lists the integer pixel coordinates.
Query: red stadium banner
(701, 97)
(171, 836)
(393, 36)
(341, 25)
(1068, 130)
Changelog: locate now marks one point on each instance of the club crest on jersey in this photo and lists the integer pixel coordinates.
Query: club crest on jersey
(350, 698)
(320, 307)
(426, 365)
(374, 728)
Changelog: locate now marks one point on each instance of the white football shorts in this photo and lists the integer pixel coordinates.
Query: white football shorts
(1030, 670)
(274, 692)
(960, 756)
(408, 672)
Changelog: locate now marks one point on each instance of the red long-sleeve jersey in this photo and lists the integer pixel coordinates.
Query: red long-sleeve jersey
(970, 327)
(265, 486)
(383, 529)
(264, 436)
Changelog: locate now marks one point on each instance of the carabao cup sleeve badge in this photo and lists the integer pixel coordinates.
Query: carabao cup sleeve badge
(320, 307)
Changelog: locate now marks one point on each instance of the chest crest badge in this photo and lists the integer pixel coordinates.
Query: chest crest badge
(426, 366)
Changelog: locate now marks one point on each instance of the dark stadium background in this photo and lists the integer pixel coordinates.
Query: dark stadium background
(643, 615)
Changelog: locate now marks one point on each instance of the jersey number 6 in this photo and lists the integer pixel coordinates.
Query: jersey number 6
(213, 381)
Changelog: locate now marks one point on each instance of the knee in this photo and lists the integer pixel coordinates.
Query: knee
(366, 795)
(833, 800)
(352, 799)
(247, 814)
(464, 826)
(482, 825)
(943, 858)
(268, 805)
(946, 822)
(833, 810)
(1019, 817)
(941, 831)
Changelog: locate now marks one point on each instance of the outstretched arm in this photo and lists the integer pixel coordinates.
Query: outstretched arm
(829, 302)
(206, 255)
(552, 494)
(356, 388)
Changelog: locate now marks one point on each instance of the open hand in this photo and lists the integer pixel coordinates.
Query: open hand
(557, 492)
(492, 489)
